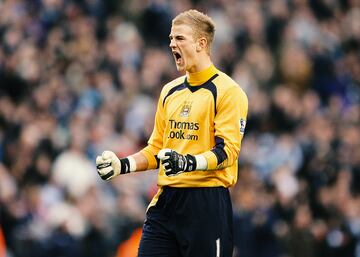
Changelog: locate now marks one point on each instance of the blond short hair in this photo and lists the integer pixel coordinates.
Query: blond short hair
(202, 24)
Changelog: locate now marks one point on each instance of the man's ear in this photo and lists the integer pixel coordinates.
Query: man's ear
(201, 44)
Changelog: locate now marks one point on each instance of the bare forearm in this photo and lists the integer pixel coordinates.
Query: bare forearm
(140, 160)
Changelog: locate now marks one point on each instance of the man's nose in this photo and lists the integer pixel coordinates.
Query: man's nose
(172, 43)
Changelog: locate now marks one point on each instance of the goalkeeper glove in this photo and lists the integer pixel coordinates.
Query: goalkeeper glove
(108, 165)
(175, 163)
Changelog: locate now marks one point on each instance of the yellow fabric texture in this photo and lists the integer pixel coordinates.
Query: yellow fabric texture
(192, 112)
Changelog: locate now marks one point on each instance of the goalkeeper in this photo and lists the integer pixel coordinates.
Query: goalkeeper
(199, 124)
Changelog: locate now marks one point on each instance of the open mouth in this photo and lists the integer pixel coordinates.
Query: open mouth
(177, 57)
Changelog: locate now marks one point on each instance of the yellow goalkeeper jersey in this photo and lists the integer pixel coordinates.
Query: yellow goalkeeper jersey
(204, 113)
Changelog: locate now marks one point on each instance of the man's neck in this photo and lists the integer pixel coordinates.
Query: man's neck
(198, 78)
(203, 63)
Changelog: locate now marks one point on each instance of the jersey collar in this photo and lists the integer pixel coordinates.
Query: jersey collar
(199, 78)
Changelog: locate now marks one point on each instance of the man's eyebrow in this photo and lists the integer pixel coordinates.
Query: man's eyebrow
(176, 36)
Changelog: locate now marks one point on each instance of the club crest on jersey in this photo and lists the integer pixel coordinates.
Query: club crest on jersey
(242, 123)
(185, 109)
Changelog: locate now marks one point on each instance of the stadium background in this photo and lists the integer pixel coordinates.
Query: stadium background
(81, 76)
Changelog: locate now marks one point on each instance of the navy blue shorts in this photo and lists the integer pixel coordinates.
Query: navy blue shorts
(189, 222)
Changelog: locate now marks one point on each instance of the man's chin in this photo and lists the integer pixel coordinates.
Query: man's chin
(180, 68)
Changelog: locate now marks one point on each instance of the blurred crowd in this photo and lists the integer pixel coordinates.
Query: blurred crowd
(81, 76)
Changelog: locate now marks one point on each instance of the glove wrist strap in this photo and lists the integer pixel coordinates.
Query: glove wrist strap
(128, 165)
(125, 165)
(132, 163)
(190, 162)
(201, 162)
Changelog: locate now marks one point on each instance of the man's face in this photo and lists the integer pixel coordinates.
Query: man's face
(183, 47)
